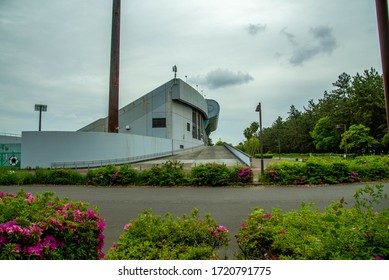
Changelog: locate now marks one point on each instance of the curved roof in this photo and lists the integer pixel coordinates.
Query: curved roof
(213, 116)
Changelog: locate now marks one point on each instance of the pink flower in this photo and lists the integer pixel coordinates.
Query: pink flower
(281, 232)
(50, 242)
(379, 258)
(77, 212)
(18, 248)
(56, 223)
(267, 216)
(68, 206)
(3, 240)
(127, 226)
(35, 250)
(100, 225)
(26, 232)
(244, 225)
(222, 228)
(90, 214)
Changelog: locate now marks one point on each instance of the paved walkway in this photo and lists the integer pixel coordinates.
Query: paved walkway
(229, 206)
(215, 154)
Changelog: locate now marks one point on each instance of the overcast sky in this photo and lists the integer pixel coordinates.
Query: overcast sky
(277, 52)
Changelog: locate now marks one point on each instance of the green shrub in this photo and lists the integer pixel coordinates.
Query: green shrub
(211, 174)
(268, 156)
(9, 176)
(103, 176)
(308, 234)
(59, 177)
(242, 175)
(327, 171)
(46, 227)
(128, 175)
(170, 173)
(153, 237)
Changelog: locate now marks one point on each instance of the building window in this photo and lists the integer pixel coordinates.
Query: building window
(194, 124)
(159, 122)
(188, 126)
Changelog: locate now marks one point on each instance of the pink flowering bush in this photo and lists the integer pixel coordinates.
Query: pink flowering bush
(44, 227)
(327, 171)
(153, 237)
(357, 233)
(242, 174)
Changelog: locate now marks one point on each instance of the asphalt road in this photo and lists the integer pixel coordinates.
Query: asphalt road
(229, 206)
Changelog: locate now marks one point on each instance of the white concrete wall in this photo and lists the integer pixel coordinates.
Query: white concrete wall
(41, 149)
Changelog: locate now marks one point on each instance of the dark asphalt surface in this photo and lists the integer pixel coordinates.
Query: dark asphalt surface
(229, 206)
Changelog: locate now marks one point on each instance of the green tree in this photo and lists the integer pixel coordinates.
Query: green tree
(252, 146)
(324, 135)
(251, 130)
(210, 143)
(368, 102)
(219, 143)
(358, 139)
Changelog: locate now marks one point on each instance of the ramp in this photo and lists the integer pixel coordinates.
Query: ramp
(213, 154)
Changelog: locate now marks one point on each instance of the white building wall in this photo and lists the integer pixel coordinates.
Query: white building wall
(182, 115)
(41, 149)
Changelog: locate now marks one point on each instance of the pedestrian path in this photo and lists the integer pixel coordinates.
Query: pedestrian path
(214, 154)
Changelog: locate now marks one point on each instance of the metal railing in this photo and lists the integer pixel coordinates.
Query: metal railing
(105, 162)
(242, 156)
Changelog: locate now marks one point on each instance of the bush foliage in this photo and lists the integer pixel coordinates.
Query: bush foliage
(152, 237)
(308, 234)
(328, 171)
(313, 170)
(46, 227)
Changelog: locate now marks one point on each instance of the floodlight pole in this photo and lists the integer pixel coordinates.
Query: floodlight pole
(259, 109)
(41, 108)
(113, 107)
(383, 31)
(40, 119)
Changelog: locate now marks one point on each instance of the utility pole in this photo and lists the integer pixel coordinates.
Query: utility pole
(259, 110)
(383, 31)
(113, 106)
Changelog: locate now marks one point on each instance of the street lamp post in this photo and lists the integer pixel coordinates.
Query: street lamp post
(259, 110)
(41, 108)
(345, 137)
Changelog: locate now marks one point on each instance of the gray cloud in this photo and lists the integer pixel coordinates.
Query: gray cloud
(254, 29)
(222, 78)
(323, 34)
(289, 36)
(324, 42)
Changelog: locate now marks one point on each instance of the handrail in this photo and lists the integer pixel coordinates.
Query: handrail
(242, 156)
(104, 162)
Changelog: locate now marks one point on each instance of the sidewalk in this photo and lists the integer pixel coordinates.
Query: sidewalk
(256, 166)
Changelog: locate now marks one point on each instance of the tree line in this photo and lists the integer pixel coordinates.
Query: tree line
(352, 117)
